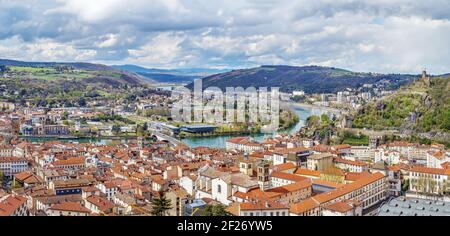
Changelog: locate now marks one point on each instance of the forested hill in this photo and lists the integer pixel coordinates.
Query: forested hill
(311, 79)
(420, 107)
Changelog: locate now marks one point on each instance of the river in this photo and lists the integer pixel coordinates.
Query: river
(303, 111)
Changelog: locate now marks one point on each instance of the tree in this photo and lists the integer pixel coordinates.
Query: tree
(15, 184)
(161, 205)
(2, 178)
(115, 129)
(215, 210)
(325, 119)
(145, 127)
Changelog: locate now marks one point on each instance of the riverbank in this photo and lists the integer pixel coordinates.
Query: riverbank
(323, 108)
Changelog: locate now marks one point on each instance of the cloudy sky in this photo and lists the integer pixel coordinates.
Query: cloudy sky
(378, 36)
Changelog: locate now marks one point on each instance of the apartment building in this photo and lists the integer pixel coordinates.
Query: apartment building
(369, 190)
(13, 165)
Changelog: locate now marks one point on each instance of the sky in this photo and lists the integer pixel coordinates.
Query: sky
(386, 36)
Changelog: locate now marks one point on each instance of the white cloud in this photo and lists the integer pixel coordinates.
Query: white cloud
(365, 35)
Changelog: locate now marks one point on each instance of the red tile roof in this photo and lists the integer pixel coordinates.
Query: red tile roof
(11, 204)
(70, 206)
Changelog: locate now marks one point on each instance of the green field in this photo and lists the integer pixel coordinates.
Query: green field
(51, 74)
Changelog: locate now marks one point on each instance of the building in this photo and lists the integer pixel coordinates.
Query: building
(278, 179)
(13, 205)
(404, 206)
(243, 144)
(198, 128)
(298, 93)
(298, 156)
(286, 195)
(73, 163)
(6, 150)
(370, 191)
(68, 209)
(343, 208)
(351, 166)
(320, 161)
(178, 200)
(225, 186)
(194, 208)
(13, 165)
(221, 186)
(258, 208)
(69, 187)
(263, 175)
(435, 159)
(391, 157)
(99, 205)
(362, 153)
(426, 181)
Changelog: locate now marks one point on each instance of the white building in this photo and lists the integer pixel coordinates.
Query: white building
(429, 181)
(243, 144)
(12, 165)
(435, 159)
(390, 157)
(362, 153)
(188, 184)
(221, 186)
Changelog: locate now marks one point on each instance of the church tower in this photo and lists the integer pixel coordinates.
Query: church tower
(263, 175)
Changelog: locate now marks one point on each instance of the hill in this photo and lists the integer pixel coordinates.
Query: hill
(311, 79)
(65, 84)
(95, 73)
(170, 75)
(420, 108)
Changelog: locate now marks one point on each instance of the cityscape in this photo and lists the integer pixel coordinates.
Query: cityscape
(178, 109)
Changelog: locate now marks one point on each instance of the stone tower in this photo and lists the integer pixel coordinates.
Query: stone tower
(425, 78)
(263, 175)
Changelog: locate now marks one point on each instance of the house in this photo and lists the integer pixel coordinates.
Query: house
(188, 183)
(391, 157)
(68, 209)
(243, 144)
(13, 205)
(351, 166)
(99, 205)
(278, 179)
(298, 156)
(178, 199)
(27, 179)
(320, 161)
(225, 186)
(109, 188)
(435, 159)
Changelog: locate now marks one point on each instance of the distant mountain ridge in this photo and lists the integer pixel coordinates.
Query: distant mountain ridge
(171, 75)
(311, 79)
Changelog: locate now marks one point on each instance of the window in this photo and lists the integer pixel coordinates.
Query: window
(219, 188)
